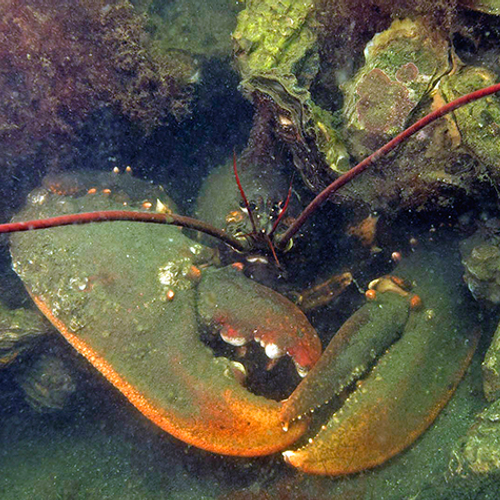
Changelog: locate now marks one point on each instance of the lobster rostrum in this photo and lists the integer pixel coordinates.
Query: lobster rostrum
(133, 298)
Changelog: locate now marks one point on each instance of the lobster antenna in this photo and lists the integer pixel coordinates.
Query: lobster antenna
(242, 193)
(114, 215)
(370, 160)
(240, 245)
(273, 250)
(282, 211)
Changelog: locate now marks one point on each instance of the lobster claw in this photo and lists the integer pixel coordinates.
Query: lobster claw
(410, 384)
(147, 347)
(181, 388)
(123, 296)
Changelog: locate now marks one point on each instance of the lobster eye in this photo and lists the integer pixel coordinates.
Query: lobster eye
(252, 206)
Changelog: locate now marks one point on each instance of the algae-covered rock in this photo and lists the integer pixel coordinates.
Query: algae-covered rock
(273, 35)
(487, 6)
(479, 122)
(410, 70)
(491, 369)
(19, 330)
(402, 64)
(47, 383)
(277, 56)
(481, 260)
(481, 452)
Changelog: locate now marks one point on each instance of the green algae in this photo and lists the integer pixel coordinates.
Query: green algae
(277, 56)
(478, 122)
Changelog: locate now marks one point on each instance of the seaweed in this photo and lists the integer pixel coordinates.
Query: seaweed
(60, 60)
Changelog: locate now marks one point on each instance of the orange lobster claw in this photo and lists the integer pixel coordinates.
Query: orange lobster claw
(194, 397)
(106, 287)
(411, 383)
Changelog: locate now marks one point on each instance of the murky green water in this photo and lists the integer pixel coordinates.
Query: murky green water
(73, 96)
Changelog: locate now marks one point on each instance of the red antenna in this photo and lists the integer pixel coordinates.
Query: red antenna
(246, 245)
(242, 193)
(282, 211)
(370, 160)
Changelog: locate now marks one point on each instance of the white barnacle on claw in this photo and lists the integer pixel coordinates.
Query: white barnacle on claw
(196, 249)
(301, 370)
(168, 273)
(273, 351)
(231, 339)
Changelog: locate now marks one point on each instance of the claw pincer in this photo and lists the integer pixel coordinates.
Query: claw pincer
(244, 310)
